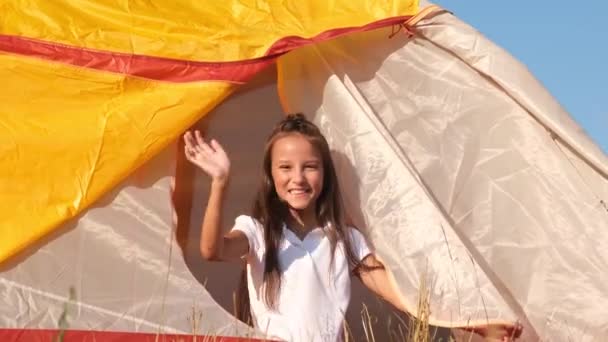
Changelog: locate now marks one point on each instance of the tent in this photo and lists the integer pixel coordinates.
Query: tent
(466, 175)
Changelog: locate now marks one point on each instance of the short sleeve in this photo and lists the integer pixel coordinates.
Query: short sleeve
(359, 244)
(252, 230)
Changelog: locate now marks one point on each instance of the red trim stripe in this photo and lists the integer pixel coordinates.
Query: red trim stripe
(156, 68)
(51, 335)
(287, 44)
(167, 69)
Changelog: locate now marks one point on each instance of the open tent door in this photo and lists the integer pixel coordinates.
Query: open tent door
(242, 124)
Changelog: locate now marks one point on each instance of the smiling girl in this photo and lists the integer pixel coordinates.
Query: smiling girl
(300, 254)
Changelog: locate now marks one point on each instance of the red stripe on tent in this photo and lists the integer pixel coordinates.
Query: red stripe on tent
(50, 335)
(156, 68)
(287, 44)
(171, 70)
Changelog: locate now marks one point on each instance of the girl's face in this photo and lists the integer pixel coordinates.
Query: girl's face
(297, 172)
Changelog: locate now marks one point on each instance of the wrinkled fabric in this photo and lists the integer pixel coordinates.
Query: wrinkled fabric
(466, 174)
(68, 135)
(210, 31)
(123, 265)
(93, 91)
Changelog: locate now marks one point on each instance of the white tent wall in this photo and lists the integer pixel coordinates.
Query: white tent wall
(122, 260)
(563, 194)
(513, 78)
(463, 175)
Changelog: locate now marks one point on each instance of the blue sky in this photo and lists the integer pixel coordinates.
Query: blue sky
(563, 45)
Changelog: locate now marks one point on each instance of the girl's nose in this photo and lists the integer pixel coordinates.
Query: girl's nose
(298, 176)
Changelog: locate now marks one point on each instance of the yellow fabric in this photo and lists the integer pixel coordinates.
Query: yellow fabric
(223, 30)
(67, 135)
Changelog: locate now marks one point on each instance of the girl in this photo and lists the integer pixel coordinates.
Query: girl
(299, 252)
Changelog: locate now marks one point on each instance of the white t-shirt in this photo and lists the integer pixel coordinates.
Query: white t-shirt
(313, 297)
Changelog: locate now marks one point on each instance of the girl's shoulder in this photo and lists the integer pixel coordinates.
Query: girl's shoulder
(249, 223)
(252, 228)
(247, 220)
(354, 233)
(358, 242)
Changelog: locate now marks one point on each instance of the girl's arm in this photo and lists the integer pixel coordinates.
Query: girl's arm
(375, 278)
(213, 160)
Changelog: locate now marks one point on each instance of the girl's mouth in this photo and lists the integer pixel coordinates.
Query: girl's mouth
(297, 192)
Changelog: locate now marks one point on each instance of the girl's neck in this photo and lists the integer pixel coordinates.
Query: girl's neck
(302, 221)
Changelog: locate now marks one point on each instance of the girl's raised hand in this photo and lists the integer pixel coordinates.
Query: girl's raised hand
(209, 157)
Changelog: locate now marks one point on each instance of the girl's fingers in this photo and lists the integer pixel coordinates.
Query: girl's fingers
(216, 146)
(202, 145)
(189, 156)
(190, 153)
(188, 146)
(199, 139)
(188, 139)
(192, 142)
(195, 158)
(189, 150)
(197, 144)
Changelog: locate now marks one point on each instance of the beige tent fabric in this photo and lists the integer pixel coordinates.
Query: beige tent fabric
(123, 262)
(465, 172)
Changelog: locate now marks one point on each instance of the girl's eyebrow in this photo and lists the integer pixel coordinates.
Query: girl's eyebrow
(316, 160)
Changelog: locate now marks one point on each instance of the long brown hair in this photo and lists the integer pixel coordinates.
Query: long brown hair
(271, 212)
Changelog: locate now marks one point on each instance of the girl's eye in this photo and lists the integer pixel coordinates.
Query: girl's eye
(284, 167)
(312, 167)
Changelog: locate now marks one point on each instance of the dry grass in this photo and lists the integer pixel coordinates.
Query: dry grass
(414, 329)
(63, 323)
(420, 331)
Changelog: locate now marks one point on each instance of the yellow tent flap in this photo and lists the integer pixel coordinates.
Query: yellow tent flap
(92, 91)
(211, 31)
(69, 134)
